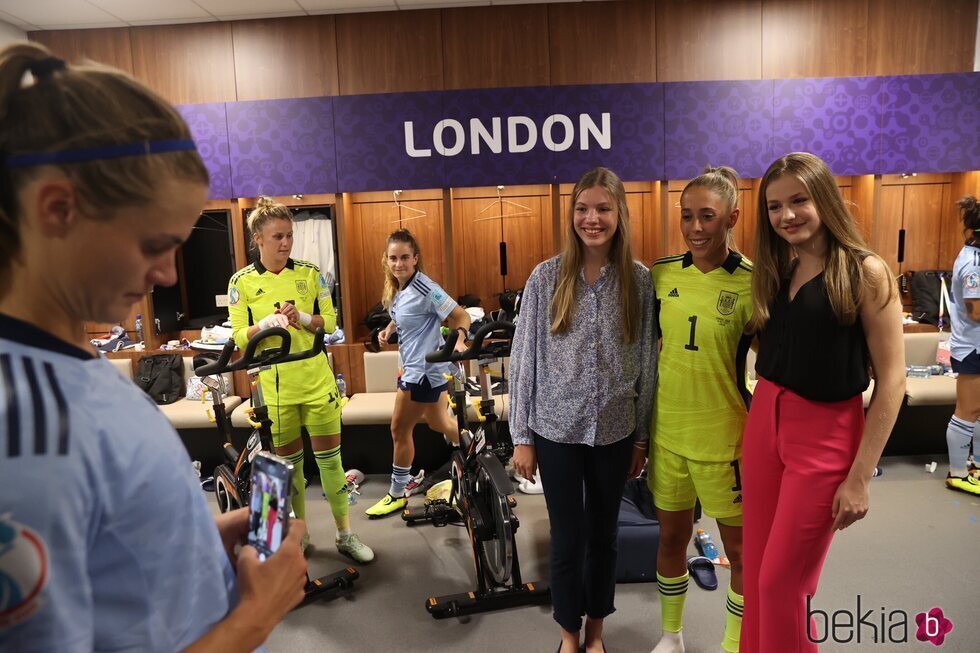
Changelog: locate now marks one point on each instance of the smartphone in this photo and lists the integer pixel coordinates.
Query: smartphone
(272, 485)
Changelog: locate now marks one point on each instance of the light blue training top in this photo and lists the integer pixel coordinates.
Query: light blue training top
(106, 539)
(418, 310)
(965, 338)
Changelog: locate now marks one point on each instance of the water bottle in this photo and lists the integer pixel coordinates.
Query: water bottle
(139, 327)
(341, 385)
(706, 544)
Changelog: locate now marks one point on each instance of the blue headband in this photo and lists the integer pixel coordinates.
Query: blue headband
(98, 153)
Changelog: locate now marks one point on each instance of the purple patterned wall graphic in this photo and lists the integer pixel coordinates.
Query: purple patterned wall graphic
(838, 119)
(930, 123)
(513, 118)
(282, 147)
(859, 125)
(371, 150)
(209, 127)
(637, 130)
(718, 123)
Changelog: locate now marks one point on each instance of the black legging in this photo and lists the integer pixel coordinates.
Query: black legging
(583, 487)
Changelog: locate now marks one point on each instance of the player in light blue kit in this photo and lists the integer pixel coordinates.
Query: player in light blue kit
(106, 541)
(964, 344)
(417, 306)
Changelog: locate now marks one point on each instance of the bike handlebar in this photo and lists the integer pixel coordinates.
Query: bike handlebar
(270, 356)
(448, 353)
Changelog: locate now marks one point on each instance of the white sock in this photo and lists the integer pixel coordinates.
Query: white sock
(670, 643)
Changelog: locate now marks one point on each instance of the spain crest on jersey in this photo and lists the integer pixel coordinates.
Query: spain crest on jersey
(301, 286)
(726, 302)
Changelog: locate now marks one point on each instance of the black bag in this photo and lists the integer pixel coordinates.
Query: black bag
(162, 377)
(925, 295)
(377, 317)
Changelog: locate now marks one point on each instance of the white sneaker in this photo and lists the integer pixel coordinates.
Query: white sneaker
(352, 546)
(670, 643)
(527, 487)
(415, 483)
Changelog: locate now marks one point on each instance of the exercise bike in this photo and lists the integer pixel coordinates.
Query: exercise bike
(232, 480)
(481, 490)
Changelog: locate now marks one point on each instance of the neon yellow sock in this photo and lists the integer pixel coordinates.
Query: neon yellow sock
(733, 621)
(673, 591)
(299, 482)
(334, 485)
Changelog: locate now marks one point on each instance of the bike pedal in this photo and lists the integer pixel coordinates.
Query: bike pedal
(512, 502)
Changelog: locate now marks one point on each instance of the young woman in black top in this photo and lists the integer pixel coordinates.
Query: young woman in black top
(827, 313)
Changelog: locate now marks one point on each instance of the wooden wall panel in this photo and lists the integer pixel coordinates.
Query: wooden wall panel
(890, 208)
(187, 64)
(389, 52)
(371, 223)
(953, 235)
(477, 238)
(622, 38)
(109, 46)
(862, 205)
(485, 47)
(700, 41)
(917, 37)
(922, 221)
(814, 38)
(285, 57)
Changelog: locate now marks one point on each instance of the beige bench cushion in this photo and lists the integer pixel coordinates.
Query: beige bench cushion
(381, 371)
(934, 391)
(124, 365)
(920, 348)
(369, 408)
(192, 414)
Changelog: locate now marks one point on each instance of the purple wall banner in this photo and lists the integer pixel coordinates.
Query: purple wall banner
(533, 135)
(636, 130)
(489, 137)
(838, 119)
(282, 147)
(718, 123)
(376, 150)
(209, 128)
(930, 123)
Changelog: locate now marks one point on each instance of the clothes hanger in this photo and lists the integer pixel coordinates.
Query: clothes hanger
(403, 209)
(501, 203)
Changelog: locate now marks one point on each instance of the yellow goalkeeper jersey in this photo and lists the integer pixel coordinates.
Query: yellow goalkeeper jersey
(701, 402)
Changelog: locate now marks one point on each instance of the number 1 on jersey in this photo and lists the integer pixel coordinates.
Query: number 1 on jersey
(694, 325)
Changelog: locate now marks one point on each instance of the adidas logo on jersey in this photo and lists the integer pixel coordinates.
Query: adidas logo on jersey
(259, 292)
(673, 293)
(737, 500)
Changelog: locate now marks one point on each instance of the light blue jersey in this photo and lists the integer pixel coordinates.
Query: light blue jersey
(965, 338)
(106, 539)
(418, 310)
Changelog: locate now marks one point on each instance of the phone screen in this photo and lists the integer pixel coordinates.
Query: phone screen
(269, 510)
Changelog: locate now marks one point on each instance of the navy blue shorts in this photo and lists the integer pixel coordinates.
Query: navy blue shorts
(422, 392)
(969, 365)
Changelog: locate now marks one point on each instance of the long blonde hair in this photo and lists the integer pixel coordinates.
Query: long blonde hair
(563, 302)
(391, 283)
(844, 275)
(71, 107)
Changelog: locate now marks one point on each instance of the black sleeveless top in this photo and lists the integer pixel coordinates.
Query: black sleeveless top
(804, 348)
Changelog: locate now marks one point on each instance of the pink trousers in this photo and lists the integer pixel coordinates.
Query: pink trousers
(795, 455)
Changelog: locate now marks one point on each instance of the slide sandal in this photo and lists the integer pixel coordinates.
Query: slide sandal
(702, 570)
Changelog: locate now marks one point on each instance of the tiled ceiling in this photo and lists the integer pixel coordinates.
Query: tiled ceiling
(31, 15)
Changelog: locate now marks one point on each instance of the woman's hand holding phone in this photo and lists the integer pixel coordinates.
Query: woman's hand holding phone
(272, 588)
